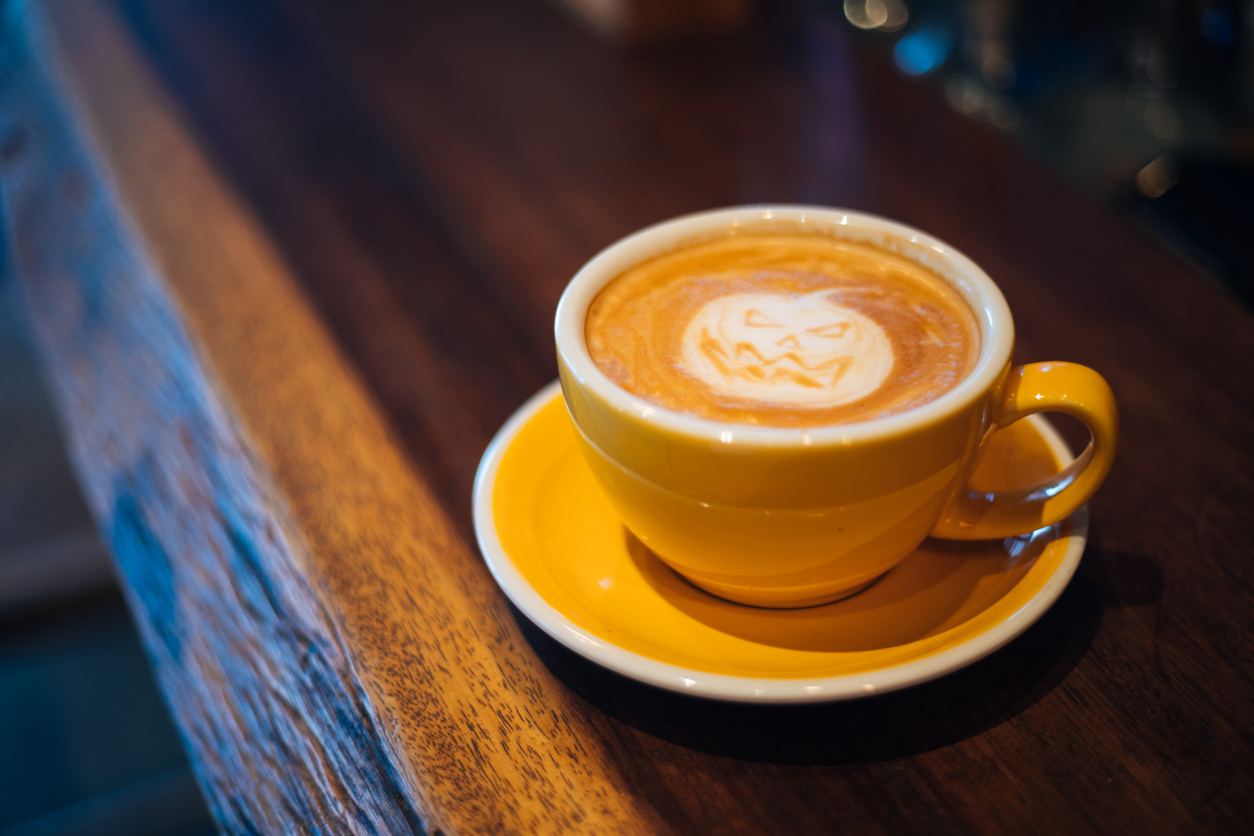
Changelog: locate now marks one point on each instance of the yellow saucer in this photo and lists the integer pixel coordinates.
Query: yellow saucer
(560, 553)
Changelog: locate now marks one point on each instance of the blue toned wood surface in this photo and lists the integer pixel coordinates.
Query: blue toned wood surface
(251, 663)
(290, 263)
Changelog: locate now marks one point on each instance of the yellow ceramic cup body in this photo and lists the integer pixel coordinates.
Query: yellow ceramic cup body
(789, 517)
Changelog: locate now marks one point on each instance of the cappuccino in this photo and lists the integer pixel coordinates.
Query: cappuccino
(783, 330)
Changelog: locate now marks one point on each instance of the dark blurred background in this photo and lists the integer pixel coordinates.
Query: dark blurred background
(1146, 107)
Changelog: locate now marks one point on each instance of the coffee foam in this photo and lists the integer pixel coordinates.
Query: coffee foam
(783, 330)
(806, 351)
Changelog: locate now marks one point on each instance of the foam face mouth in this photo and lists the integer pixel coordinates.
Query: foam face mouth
(804, 351)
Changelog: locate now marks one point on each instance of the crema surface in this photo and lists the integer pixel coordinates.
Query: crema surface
(783, 330)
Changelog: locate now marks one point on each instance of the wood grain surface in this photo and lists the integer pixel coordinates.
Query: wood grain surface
(219, 559)
(337, 238)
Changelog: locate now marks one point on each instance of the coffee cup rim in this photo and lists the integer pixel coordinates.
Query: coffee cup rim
(976, 287)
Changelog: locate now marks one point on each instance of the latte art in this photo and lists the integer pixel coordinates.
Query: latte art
(782, 329)
(804, 351)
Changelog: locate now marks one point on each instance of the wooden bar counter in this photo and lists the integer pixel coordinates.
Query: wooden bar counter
(289, 265)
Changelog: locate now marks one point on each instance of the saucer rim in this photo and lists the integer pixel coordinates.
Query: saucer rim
(730, 687)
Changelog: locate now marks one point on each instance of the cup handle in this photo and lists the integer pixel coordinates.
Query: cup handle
(1040, 387)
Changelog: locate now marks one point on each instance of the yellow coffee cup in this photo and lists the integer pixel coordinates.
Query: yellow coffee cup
(791, 517)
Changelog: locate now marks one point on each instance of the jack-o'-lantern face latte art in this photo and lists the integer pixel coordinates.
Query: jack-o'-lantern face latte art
(783, 330)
